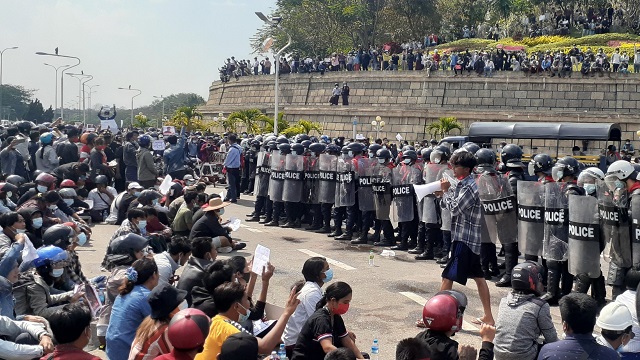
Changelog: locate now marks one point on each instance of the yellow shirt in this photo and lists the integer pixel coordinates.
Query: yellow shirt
(221, 328)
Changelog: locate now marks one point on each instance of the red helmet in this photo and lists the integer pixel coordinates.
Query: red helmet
(46, 178)
(442, 313)
(188, 329)
(68, 183)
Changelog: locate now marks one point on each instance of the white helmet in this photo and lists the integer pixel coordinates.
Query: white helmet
(590, 173)
(620, 169)
(614, 316)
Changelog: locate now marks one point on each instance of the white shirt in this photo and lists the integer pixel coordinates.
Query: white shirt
(309, 297)
(166, 267)
(101, 201)
(628, 299)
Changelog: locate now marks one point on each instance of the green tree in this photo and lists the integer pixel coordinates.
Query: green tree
(253, 120)
(188, 117)
(282, 124)
(141, 121)
(15, 100)
(48, 115)
(34, 112)
(443, 126)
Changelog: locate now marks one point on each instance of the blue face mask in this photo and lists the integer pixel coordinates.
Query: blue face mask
(589, 188)
(82, 239)
(243, 317)
(56, 273)
(620, 184)
(37, 223)
(329, 275)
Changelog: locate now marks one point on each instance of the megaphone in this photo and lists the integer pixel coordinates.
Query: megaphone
(426, 189)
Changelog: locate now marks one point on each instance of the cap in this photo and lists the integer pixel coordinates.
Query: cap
(165, 299)
(134, 185)
(239, 346)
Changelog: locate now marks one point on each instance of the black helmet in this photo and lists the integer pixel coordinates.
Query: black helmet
(176, 190)
(126, 244)
(147, 196)
(357, 147)
(285, 148)
(426, 154)
(306, 143)
(6, 187)
(471, 147)
(333, 149)
(540, 163)
(24, 126)
(58, 235)
(101, 179)
(384, 154)
(255, 144)
(270, 138)
(511, 155)
(408, 147)
(298, 149)
(302, 137)
(272, 145)
(485, 157)
(526, 277)
(373, 148)
(567, 166)
(16, 180)
(439, 154)
(282, 140)
(433, 142)
(345, 149)
(411, 154)
(317, 148)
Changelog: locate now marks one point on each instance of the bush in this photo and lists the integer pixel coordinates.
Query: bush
(540, 40)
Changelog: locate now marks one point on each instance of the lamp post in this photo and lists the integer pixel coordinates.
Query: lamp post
(56, 68)
(61, 76)
(377, 124)
(91, 92)
(1, 53)
(354, 123)
(162, 100)
(275, 22)
(130, 89)
(81, 83)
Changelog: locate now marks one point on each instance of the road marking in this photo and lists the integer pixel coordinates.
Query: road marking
(337, 263)
(421, 301)
(249, 228)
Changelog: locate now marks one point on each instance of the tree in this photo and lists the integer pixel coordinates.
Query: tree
(443, 126)
(48, 115)
(34, 112)
(141, 121)
(282, 124)
(253, 120)
(301, 127)
(188, 117)
(16, 98)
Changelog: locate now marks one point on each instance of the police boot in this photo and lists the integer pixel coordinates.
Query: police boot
(403, 246)
(566, 283)
(253, 218)
(266, 220)
(336, 232)
(324, 230)
(348, 235)
(599, 291)
(582, 283)
(553, 287)
(362, 239)
(297, 224)
(510, 261)
(273, 222)
(427, 254)
(419, 248)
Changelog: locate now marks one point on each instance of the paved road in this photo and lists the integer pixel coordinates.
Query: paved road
(387, 297)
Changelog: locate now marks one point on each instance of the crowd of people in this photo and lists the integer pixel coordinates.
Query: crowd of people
(60, 180)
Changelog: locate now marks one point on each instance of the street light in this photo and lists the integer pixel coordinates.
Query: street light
(91, 92)
(81, 92)
(61, 75)
(377, 124)
(162, 99)
(139, 92)
(275, 22)
(1, 53)
(56, 69)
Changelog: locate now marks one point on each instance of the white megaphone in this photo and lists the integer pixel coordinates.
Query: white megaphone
(426, 189)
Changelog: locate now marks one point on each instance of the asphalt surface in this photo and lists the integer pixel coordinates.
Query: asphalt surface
(387, 297)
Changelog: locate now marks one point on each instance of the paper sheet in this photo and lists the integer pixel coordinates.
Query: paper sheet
(234, 223)
(158, 145)
(29, 252)
(426, 189)
(260, 259)
(398, 137)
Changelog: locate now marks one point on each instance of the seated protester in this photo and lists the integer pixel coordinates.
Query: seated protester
(23, 340)
(33, 221)
(102, 197)
(71, 171)
(187, 332)
(34, 290)
(123, 252)
(325, 331)
(135, 223)
(9, 274)
(216, 274)
(340, 354)
(64, 237)
(20, 183)
(44, 182)
(53, 207)
(98, 160)
(151, 338)
(46, 158)
(616, 324)
(442, 315)
(151, 198)
(130, 308)
(202, 254)
(201, 201)
(68, 150)
(183, 221)
(120, 205)
(175, 192)
(233, 307)
(316, 272)
(71, 327)
(70, 197)
(209, 226)
(6, 192)
(578, 312)
(81, 189)
(412, 349)
(169, 261)
(245, 277)
(175, 205)
(13, 226)
(523, 317)
(159, 234)
(239, 346)
(628, 299)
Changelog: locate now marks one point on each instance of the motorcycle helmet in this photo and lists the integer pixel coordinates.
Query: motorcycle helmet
(188, 329)
(408, 147)
(590, 178)
(485, 157)
(45, 178)
(511, 155)
(357, 147)
(471, 147)
(306, 143)
(282, 140)
(49, 255)
(67, 193)
(285, 148)
(58, 235)
(127, 244)
(317, 148)
(16, 180)
(101, 180)
(526, 277)
(618, 173)
(384, 154)
(425, 153)
(298, 149)
(325, 139)
(566, 166)
(144, 140)
(442, 313)
(46, 138)
(540, 163)
(439, 154)
(302, 137)
(272, 145)
(333, 149)
(410, 154)
(68, 183)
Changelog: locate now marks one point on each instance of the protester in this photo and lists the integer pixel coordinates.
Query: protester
(616, 323)
(71, 327)
(169, 261)
(203, 253)
(187, 332)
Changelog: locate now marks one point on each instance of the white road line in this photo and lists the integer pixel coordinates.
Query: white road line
(249, 228)
(329, 260)
(421, 301)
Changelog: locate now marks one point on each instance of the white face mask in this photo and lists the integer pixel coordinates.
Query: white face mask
(21, 231)
(381, 161)
(56, 273)
(221, 212)
(407, 161)
(37, 223)
(9, 194)
(142, 224)
(42, 188)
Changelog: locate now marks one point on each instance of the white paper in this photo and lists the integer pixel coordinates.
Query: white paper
(426, 189)
(166, 185)
(222, 195)
(158, 145)
(234, 223)
(109, 124)
(260, 326)
(29, 252)
(90, 203)
(398, 137)
(260, 259)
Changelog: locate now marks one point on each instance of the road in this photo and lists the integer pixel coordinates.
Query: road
(387, 297)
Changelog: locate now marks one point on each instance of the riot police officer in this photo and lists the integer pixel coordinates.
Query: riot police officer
(405, 175)
(382, 199)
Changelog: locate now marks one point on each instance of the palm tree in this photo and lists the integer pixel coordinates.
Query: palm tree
(268, 124)
(253, 120)
(443, 126)
(187, 116)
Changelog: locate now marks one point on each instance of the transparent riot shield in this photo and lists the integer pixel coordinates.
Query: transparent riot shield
(263, 171)
(430, 205)
(584, 236)
(311, 180)
(499, 207)
(402, 192)
(293, 178)
(530, 217)
(327, 178)
(556, 223)
(613, 208)
(276, 181)
(382, 191)
(365, 174)
(345, 182)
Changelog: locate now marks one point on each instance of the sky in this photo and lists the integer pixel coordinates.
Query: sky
(161, 47)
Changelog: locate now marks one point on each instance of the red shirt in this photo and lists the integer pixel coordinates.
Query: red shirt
(173, 355)
(68, 352)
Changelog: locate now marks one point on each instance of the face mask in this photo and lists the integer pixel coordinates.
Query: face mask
(37, 223)
(183, 305)
(619, 184)
(589, 188)
(436, 160)
(156, 202)
(242, 318)
(53, 207)
(329, 275)
(136, 194)
(381, 161)
(142, 225)
(350, 153)
(42, 188)
(221, 212)
(407, 161)
(82, 239)
(21, 231)
(9, 194)
(69, 202)
(56, 273)
(341, 309)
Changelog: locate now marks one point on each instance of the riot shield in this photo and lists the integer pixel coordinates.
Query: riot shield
(276, 181)
(327, 177)
(556, 223)
(499, 207)
(345, 182)
(584, 236)
(382, 191)
(635, 228)
(429, 207)
(404, 176)
(444, 213)
(365, 175)
(614, 224)
(530, 217)
(311, 180)
(263, 171)
(293, 178)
